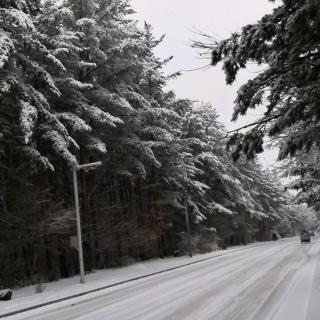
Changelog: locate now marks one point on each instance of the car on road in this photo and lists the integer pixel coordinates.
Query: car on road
(305, 237)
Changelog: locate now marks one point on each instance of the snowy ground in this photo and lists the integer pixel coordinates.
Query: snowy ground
(26, 297)
(279, 281)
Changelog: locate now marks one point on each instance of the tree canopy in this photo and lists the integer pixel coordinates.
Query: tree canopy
(286, 42)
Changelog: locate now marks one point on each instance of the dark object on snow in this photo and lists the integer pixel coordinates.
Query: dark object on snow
(177, 253)
(305, 236)
(5, 295)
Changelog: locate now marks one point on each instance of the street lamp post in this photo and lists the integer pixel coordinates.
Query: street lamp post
(187, 224)
(75, 168)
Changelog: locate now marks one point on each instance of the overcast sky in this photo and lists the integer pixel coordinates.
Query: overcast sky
(178, 19)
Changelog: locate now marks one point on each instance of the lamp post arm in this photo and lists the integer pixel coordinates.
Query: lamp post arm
(89, 166)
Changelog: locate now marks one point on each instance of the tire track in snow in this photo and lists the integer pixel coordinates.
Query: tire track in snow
(193, 291)
(255, 301)
(220, 304)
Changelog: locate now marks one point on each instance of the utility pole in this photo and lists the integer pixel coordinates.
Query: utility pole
(75, 169)
(187, 223)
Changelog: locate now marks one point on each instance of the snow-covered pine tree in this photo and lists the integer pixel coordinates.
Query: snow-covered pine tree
(287, 42)
(26, 86)
(240, 193)
(303, 173)
(32, 140)
(106, 57)
(72, 34)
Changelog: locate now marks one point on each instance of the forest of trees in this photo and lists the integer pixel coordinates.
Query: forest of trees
(79, 82)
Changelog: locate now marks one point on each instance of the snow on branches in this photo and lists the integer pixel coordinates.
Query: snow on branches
(100, 116)
(288, 87)
(74, 122)
(16, 20)
(6, 45)
(28, 118)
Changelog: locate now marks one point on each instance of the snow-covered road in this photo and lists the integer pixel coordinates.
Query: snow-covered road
(279, 281)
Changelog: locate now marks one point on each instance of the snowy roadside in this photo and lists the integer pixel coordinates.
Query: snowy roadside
(26, 298)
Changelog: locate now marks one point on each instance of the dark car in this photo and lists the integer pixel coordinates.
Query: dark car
(305, 237)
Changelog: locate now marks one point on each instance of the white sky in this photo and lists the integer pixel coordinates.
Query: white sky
(178, 20)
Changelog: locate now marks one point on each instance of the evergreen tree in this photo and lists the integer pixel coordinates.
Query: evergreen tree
(240, 194)
(303, 173)
(287, 42)
(26, 86)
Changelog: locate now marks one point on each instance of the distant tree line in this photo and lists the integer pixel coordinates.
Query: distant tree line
(79, 82)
